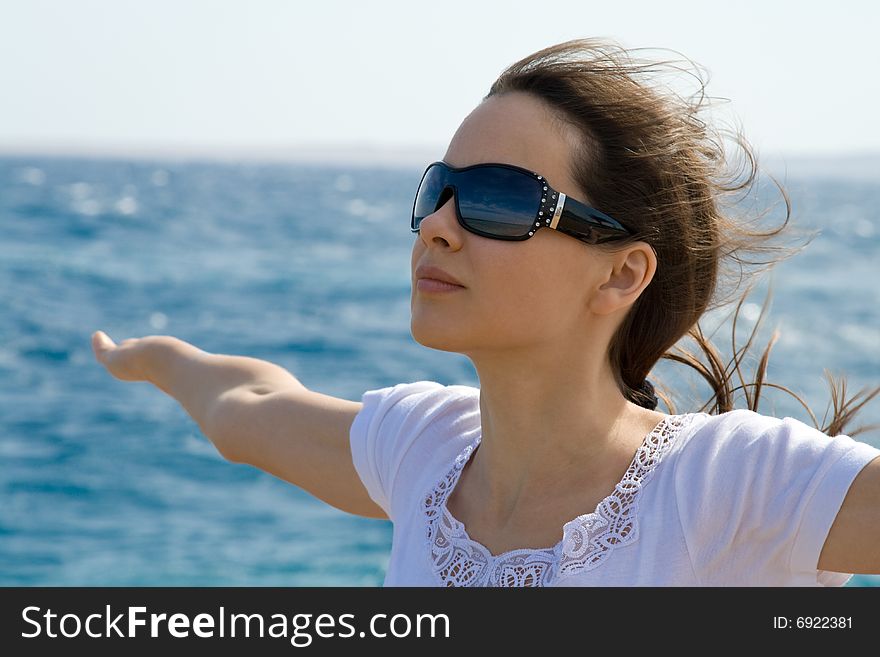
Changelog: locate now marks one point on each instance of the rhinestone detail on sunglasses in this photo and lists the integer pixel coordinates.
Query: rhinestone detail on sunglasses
(544, 206)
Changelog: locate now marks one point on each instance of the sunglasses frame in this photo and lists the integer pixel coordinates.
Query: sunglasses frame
(568, 215)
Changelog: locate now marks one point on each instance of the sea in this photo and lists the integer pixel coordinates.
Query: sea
(306, 265)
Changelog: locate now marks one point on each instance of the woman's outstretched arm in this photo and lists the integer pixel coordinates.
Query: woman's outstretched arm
(254, 412)
(853, 542)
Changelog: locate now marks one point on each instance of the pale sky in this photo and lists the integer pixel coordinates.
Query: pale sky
(267, 74)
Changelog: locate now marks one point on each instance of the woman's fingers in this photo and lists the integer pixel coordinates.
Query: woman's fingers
(122, 361)
(101, 343)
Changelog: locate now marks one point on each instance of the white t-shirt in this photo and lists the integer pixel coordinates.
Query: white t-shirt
(736, 499)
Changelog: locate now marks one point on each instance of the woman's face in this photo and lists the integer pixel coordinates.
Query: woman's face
(516, 294)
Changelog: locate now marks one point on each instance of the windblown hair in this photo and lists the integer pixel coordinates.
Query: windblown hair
(646, 158)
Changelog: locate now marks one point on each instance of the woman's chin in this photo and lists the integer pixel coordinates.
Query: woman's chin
(434, 336)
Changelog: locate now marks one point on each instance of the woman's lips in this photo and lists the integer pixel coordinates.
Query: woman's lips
(433, 285)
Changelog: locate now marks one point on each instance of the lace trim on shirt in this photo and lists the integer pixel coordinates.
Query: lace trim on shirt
(587, 540)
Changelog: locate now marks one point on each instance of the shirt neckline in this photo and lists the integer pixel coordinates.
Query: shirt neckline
(622, 502)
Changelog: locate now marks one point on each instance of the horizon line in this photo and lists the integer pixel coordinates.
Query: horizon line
(354, 153)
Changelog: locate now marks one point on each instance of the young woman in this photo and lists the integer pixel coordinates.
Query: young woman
(571, 235)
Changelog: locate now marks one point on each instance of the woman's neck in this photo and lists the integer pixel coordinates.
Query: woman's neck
(543, 431)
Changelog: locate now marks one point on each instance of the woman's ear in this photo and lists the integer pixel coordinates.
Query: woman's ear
(628, 273)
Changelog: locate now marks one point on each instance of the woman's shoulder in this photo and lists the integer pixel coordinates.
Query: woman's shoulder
(743, 436)
(756, 496)
(420, 391)
(742, 424)
(419, 402)
(699, 431)
(405, 412)
(728, 422)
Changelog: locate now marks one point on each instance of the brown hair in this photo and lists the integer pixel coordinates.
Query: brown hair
(647, 159)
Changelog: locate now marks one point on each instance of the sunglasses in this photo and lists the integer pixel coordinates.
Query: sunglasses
(506, 202)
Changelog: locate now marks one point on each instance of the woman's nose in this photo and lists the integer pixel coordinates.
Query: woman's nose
(446, 205)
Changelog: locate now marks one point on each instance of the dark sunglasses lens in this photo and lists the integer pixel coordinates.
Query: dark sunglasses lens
(494, 201)
(428, 195)
(499, 201)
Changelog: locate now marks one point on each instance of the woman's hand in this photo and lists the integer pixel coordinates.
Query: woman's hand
(127, 360)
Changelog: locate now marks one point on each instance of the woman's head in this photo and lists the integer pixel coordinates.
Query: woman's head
(603, 129)
(521, 295)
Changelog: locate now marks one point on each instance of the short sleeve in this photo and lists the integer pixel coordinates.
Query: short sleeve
(757, 497)
(388, 426)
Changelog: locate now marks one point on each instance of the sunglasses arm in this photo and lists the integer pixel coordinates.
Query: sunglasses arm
(585, 223)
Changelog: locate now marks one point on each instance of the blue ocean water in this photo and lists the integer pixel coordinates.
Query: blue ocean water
(105, 482)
